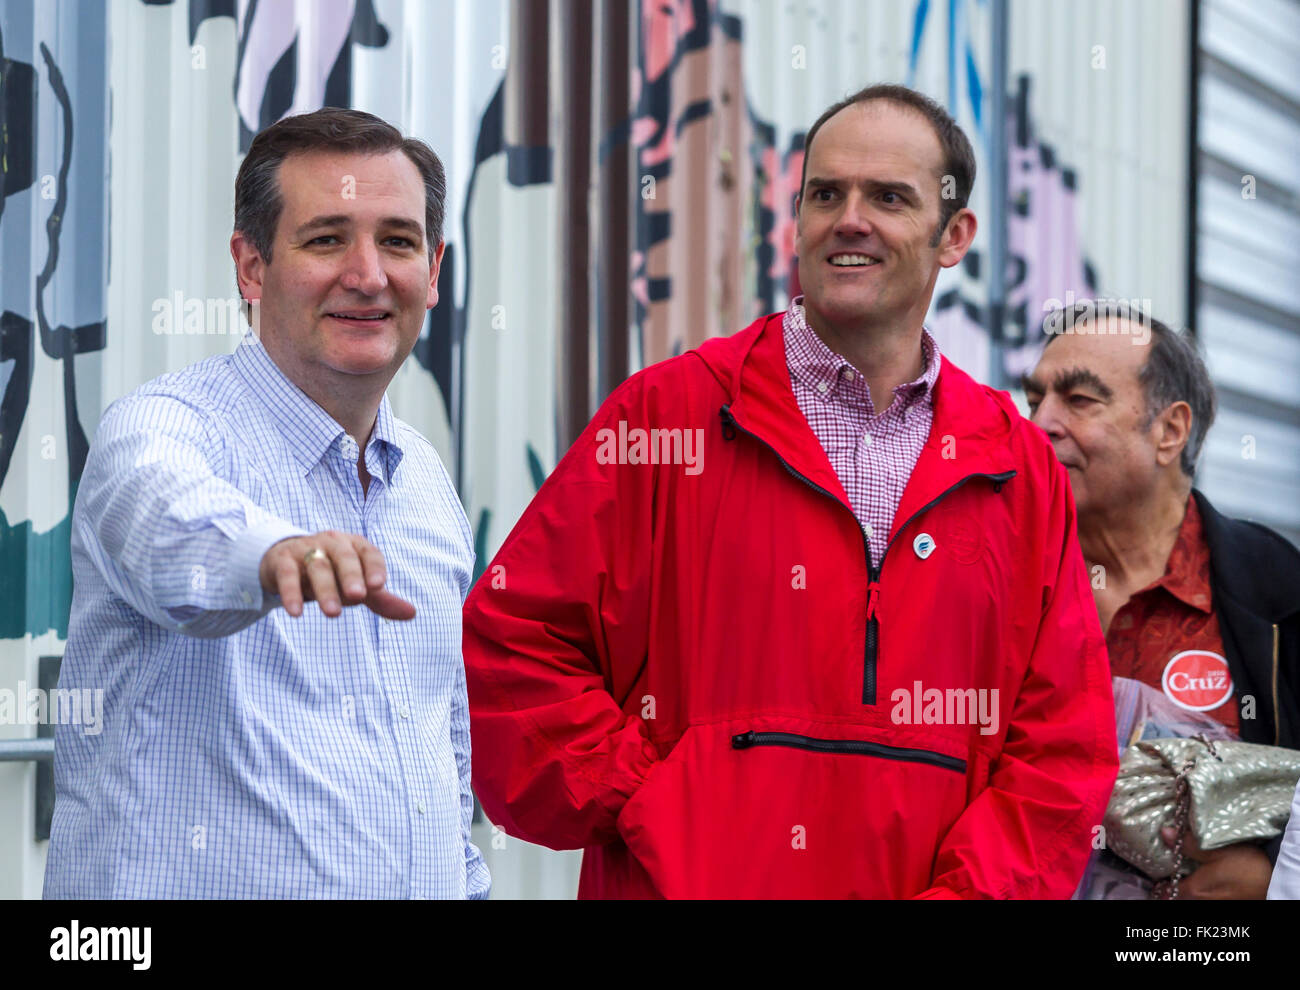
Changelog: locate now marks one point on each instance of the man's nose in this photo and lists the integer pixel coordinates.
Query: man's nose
(855, 219)
(364, 270)
(1047, 417)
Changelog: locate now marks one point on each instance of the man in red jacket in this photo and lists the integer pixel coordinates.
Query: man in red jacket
(802, 613)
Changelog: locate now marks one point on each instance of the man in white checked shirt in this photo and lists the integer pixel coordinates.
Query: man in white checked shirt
(254, 745)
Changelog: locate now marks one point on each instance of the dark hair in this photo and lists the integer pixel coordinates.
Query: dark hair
(1174, 371)
(958, 155)
(258, 202)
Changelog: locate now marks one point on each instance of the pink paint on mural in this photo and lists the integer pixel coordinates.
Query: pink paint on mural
(663, 24)
(1043, 239)
(778, 196)
(691, 131)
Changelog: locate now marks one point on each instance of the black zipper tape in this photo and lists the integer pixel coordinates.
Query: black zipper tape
(859, 747)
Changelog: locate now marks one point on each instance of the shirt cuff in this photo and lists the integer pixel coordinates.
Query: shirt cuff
(246, 562)
(478, 881)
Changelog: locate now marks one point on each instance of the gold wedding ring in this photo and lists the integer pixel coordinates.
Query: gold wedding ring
(315, 553)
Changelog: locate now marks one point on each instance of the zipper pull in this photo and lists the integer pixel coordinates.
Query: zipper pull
(873, 599)
(728, 423)
(744, 740)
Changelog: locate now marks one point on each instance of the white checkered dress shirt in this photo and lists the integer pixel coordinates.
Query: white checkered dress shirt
(243, 752)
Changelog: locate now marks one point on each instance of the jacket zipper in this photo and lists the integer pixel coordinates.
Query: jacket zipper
(861, 747)
(873, 573)
(869, 676)
(1277, 712)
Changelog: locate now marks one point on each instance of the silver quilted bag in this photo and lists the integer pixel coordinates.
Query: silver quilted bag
(1220, 792)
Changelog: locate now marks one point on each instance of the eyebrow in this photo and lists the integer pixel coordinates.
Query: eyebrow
(895, 186)
(342, 220)
(1068, 379)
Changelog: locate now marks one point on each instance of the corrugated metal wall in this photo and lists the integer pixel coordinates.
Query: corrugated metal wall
(1248, 254)
(1099, 160)
(603, 213)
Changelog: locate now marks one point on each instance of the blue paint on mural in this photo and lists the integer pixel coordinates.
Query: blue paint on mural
(55, 107)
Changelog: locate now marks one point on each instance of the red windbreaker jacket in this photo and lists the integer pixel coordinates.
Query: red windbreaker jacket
(691, 669)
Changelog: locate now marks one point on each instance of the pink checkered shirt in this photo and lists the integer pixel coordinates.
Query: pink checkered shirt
(873, 455)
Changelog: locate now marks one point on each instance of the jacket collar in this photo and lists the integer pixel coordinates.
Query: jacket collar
(754, 373)
(969, 434)
(1250, 565)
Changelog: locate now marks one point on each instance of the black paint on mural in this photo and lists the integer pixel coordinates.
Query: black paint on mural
(18, 103)
(277, 96)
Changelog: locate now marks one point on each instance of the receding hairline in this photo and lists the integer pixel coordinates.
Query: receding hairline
(869, 105)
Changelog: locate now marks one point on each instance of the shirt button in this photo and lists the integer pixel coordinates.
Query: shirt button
(420, 807)
(248, 599)
(822, 387)
(349, 448)
(848, 374)
(866, 439)
(404, 712)
(869, 531)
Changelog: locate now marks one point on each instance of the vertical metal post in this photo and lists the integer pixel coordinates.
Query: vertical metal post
(571, 120)
(614, 185)
(48, 678)
(1193, 162)
(997, 117)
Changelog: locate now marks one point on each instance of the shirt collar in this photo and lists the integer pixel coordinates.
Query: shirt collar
(310, 430)
(385, 435)
(826, 373)
(1187, 574)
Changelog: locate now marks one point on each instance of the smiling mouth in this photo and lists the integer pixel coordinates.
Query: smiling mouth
(853, 260)
(362, 316)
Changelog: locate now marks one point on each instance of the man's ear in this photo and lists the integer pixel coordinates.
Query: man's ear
(957, 237)
(250, 267)
(1173, 432)
(798, 227)
(434, 267)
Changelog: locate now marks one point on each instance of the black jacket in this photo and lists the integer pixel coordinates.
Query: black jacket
(1255, 588)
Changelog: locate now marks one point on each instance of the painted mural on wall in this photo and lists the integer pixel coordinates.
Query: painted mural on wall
(277, 74)
(55, 160)
(713, 224)
(51, 294)
(696, 144)
(1044, 245)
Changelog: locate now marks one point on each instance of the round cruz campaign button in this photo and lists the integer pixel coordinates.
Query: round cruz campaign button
(1197, 680)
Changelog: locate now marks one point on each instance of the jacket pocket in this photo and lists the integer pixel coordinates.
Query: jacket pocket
(783, 807)
(858, 747)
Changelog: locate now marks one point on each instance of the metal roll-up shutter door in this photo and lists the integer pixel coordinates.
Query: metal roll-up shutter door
(1247, 258)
